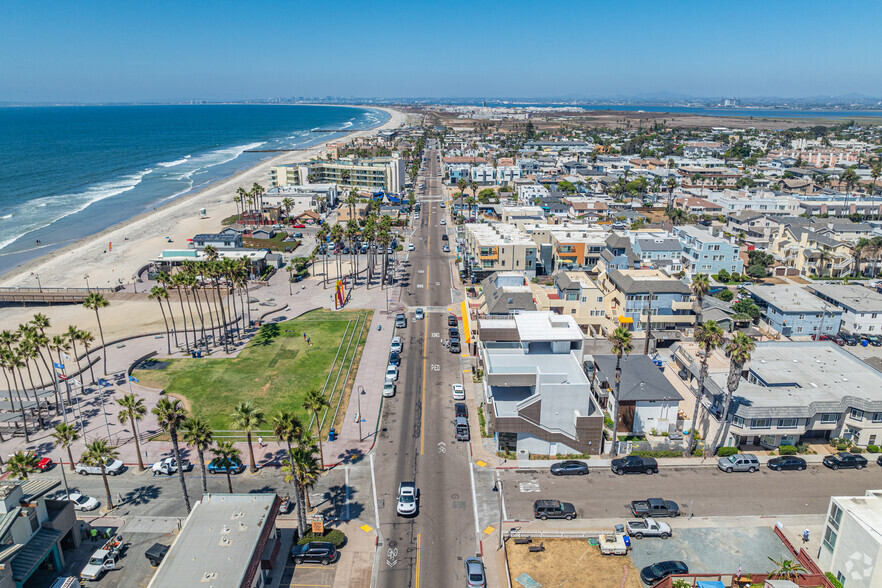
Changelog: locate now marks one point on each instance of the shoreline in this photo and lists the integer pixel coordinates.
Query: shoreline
(89, 256)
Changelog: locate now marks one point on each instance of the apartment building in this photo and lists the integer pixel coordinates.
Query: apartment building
(851, 544)
(629, 294)
(528, 193)
(794, 312)
(573, 248)
(506, 293)
(731, 201)
(753, 227)
(794, 392)
(810, 252)
(661, 251)
(575, 294)
(484, 175)
(704, 253)
(372, 174)
(492, 247)
(537, 395)
(861, 306)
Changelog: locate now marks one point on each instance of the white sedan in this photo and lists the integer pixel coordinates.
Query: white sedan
(443, 221)
(410, 247)
(458, 392)
(391, 373)
(83, 502)
(396, 345)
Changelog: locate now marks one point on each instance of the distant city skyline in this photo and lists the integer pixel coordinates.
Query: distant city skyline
(170, 52)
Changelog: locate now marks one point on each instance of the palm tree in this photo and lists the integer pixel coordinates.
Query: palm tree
(226, 454)
(351, 233)
(21, 464)
(676, 215)
(98, 453)
(40, 323)
(86, 338)
(304, 471)
(875, 172)
(166, 281)
(739, 350)
(198, 434)
(287, 204)
(351, 201)
(709, 336)
(73, 335)
(12, 363)
(786, 569)
(337, 238)
(158, 293)
(27, 352)
(621, 344)
(177, 284)
(60, 345)
(66, 435)
(288, 428)
(321, 236)
(461, 185)
(850, 179)
(315, 402)
(247, 417)
(700, 288)
(862, 244)
(94, 301)
(171, 414)
(473, 185)
(132, 411)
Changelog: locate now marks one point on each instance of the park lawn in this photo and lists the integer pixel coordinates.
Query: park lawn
(275, 370)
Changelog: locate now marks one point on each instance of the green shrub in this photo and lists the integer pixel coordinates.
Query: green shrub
(607, 421)
(857, 449)
(507, 455)
(873, 448)
(802, 448)
(657, 453)
(726, 451)
(836, 583)
(334, 536)
(698, 452)
(786, 450)
(483, 422)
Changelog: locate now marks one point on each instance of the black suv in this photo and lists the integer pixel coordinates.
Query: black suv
(634, 465)
(553, 509)
(453, 332)
(461, 410)
(315, 552)
(452, 320)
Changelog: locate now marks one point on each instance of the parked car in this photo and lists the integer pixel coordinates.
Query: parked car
(45, 464)
(844, 460)
(446, 249)
(298, 226)
(739, 462)
(396, 346)
(648, 528)
(454, 346)
(475, 577)
(400, 321)
(453, 332)
(837, 339)
(458, 392)
(461, 410)
(216, 466)
(654, 507)
(461, 429)
(569, 468)
(156, 554)
(388, 389)
(391, 373)
(850, 340)
(168, 466)
(553, 509)
(408, 498)
(879, 460)
(786, 462)
(419, 314)
(659, 571)
(395, 358)
(83, 502)
(315, 552)
(872, 340)
(633, 464)
(112, 467)
(452, 321)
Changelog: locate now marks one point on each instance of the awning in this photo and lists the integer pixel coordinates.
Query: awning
(625, 320)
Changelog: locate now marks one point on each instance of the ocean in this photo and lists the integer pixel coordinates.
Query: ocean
(69, 172)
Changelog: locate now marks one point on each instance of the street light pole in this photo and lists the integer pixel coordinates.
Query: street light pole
(39, 285)
(360, 394)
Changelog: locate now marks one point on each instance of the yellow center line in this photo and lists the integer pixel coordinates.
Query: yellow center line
(417, 583)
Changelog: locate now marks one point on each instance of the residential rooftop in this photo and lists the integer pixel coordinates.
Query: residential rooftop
(788, 298)
(853, 297)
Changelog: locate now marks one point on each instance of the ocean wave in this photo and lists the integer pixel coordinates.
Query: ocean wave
(63, 205)
(5, 216)
(174, 163)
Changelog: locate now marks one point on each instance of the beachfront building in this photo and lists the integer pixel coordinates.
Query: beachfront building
(538, 397)
(218, 240)
(373, 174)
(492, 247)
(227, 541)
(794, 312)
(318, 197)
(851, 544)
(169, 259)
(861, 306)
(704, 253)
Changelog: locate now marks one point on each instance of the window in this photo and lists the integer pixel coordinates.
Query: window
(877, 417)
(871, 440)
(738, 421)
(857, 414)
(829, 418)
(787, 423)
(829, 538)
(835, 516)
(761, 423)
(802, 317)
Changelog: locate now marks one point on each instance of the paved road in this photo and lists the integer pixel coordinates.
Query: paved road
(704, 491)
(417, 440)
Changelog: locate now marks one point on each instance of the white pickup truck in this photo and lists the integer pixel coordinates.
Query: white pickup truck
(112, 467)
(103, 559)
(648, 528)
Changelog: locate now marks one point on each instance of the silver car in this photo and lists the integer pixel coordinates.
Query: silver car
(475, 577)
(739, 462)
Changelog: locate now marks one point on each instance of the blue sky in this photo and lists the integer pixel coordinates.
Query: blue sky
(127, 51)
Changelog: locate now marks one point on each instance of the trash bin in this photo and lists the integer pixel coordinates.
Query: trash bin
(332, 434)
(198, 354)
(864, 342)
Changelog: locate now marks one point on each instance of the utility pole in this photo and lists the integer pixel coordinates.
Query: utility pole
(648, 326)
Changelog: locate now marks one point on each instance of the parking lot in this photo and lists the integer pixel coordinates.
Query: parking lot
(313, 575)
(714, 550)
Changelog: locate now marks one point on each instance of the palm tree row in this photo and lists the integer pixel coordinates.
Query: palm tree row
(211, 287)
(374, 230)
(249, 201)
(29, 349)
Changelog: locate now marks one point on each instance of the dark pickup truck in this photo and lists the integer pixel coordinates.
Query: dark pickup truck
(655, 508)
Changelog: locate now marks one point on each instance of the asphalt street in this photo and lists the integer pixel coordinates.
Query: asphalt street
(704, 491)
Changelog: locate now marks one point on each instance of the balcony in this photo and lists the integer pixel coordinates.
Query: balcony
(682, 305)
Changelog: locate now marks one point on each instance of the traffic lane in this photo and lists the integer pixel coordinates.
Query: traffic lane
(701, 491)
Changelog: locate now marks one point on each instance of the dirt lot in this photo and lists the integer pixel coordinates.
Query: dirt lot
(571, 563)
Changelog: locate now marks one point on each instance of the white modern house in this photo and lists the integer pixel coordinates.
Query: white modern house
(851, 546)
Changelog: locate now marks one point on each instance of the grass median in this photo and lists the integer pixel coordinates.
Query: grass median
(275, 370)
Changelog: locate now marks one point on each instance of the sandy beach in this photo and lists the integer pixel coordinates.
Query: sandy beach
(141, 238)
(135, 242)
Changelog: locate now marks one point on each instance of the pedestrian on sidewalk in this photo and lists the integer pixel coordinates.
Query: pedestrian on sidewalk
(805, 536)
(260, 442)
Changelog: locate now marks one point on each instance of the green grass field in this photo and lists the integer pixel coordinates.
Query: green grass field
(275, 370)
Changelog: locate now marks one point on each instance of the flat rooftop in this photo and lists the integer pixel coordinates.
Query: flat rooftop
(866, 510)
(547, 326)
(218, 542)
(789, 298)
(854, 297)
